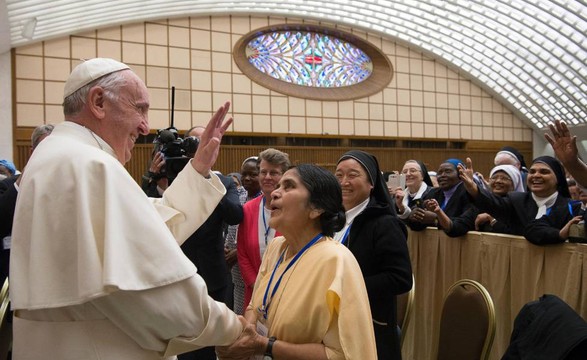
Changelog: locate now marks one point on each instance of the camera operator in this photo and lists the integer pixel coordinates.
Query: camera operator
(156, 179)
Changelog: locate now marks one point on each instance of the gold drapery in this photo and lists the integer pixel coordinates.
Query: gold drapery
(513, 270)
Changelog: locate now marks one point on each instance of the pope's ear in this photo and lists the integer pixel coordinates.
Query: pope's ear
(96, 99)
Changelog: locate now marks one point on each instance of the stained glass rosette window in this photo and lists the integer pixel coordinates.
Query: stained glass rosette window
(309, 59)
(312, 62)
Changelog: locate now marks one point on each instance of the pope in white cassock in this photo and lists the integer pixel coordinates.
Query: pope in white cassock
(96, 270)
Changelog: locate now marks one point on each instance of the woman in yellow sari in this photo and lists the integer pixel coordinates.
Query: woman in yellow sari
(309, 300)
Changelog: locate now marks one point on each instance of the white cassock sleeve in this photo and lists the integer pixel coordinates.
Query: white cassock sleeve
(176, 312)
(188, 202)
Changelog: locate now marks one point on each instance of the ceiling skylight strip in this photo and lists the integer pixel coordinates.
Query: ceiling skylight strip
(550, 35)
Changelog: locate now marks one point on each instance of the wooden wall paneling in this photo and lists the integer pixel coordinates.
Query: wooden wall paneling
(231, 156)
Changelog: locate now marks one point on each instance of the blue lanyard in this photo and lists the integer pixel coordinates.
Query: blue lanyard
(570, 209)
(345, 237)
(570, 205)
(265, 226)
(444, 203)
(265, 307)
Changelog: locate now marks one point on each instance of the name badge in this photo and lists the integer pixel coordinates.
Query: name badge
(263, 331)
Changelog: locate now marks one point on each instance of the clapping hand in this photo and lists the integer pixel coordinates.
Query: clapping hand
(432, 205)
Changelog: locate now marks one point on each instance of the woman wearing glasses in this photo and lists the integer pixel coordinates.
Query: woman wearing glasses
(502, 180)
(418, 184)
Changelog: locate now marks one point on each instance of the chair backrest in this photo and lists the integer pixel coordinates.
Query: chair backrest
(5, 326)
(467, 323)
(405, 303)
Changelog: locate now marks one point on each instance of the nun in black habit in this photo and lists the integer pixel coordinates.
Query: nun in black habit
(377, 238)
(418, 185)
(548, 196)
(447, 206)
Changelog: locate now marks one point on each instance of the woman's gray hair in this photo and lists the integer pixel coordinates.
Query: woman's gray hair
(111, 83)
(276, 158)
(39, 132)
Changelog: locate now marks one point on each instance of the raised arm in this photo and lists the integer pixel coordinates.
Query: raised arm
(209, 146)
(466, 175)
(565, 149)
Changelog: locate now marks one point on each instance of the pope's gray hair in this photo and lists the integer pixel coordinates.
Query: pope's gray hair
(111, 83)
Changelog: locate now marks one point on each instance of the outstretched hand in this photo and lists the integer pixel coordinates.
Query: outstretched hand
(247, 345)
(209, 146)
(563, 144)
(466, 175)
(565, 149)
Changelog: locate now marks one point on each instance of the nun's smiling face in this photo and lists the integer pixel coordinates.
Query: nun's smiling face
(541, 180)
(354, 181)
(501, 183)
(414, 176)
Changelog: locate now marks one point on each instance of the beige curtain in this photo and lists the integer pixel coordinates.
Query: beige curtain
(513, 270)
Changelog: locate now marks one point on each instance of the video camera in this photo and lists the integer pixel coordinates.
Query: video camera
(177, 151)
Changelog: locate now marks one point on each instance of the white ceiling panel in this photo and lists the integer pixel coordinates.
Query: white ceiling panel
(530, 54)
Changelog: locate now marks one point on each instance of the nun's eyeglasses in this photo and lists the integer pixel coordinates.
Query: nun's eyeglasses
(411, 171)
(500, 178)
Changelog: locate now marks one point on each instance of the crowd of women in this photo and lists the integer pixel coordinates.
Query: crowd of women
(322, 256)
(539, 207)
(310, 235)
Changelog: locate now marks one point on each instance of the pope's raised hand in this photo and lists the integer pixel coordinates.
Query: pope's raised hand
(209, 146)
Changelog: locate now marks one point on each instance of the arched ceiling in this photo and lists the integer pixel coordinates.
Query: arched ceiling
(530, 54)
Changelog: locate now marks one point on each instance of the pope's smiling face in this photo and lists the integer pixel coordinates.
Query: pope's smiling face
(126, 115)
